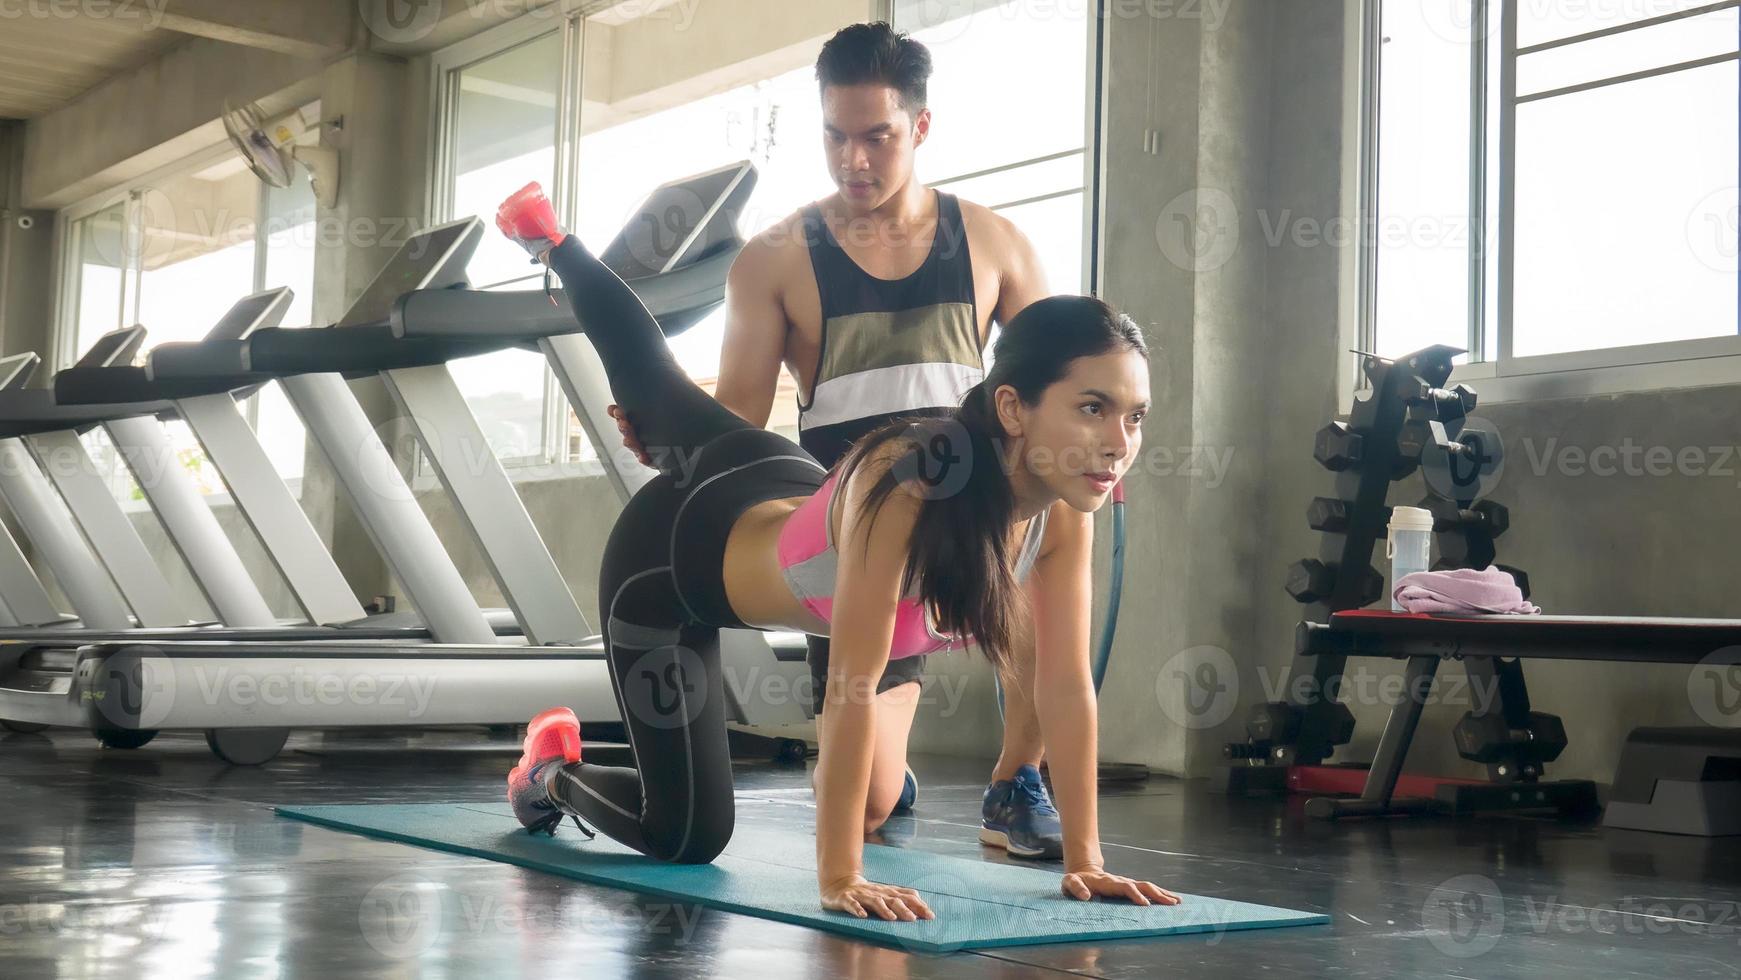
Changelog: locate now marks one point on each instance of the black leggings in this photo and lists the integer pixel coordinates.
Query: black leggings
(661, 588)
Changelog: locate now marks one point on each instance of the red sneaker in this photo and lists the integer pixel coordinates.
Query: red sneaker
(528, 219)
(552, 741)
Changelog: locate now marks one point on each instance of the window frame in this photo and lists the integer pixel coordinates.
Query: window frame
(445, 66)
(64, 345)
(65, 340)
(64, 334)
(1098, 27)
(1665, 365)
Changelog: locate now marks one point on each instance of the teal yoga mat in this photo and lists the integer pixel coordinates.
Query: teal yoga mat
(772, 875)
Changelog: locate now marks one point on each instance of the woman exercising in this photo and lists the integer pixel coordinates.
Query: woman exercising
(927, 532)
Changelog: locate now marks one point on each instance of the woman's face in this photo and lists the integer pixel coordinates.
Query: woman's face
(1087, 429)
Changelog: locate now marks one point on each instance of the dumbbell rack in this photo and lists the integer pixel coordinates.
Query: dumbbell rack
(1409, 421)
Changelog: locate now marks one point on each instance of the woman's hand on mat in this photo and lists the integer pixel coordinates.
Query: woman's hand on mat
(1089, 882)
(862, 898)
(631, 441)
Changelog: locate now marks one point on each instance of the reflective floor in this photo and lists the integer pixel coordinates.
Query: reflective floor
(164, 862)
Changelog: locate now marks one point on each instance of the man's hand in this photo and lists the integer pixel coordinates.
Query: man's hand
(631, 441)
(1088, 882)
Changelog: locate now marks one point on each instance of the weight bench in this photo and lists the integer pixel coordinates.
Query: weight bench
(1492, 647)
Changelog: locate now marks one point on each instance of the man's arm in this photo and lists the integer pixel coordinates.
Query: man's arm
(1021, 277)
(755, 335)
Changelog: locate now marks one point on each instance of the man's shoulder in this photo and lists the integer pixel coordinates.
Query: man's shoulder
(773, 247)
(781, 240)
(984, 223)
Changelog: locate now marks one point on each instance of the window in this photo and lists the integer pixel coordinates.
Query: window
(1421, 234)
(505, 136)
(173, 252)
(289, 236)
(659, 94)
(98, 273)
(1002, 134)
(625, 152)
(1556, 181)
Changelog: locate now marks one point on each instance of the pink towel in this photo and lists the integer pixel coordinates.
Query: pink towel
(1462, 590)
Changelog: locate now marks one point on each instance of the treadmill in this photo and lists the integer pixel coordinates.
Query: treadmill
(261, 496)
(24, 602)
(66, 510)
(115, 552)
(126, 691)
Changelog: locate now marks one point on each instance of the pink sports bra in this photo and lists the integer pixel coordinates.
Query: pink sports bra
(808, 560)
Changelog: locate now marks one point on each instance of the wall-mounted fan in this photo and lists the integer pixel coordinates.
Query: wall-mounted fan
(272, 151)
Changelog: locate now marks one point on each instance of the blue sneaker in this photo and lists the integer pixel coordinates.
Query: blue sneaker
(1019, 817)
(909, 793)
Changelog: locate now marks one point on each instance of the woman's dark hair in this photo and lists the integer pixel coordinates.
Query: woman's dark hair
(959, 553)
(865, 54)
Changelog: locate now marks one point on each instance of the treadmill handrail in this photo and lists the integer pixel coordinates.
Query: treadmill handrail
(527, 315)
(29, 411)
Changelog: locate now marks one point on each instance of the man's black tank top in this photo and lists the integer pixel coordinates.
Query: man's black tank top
(890, 348)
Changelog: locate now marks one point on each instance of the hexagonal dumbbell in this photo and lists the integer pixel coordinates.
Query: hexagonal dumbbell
(1274, 721)
(1518, 575)
(1327, 514)
(1331, 514)
(1461, 549)
(1486, 515)
(1311, 580)
(1488, 739)
(1456, 403)
(1418, 432)
(1337, 446)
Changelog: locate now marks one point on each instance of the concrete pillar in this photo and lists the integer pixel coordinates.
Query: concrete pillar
(1204, 117)
(26, 254)
(373, 217)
